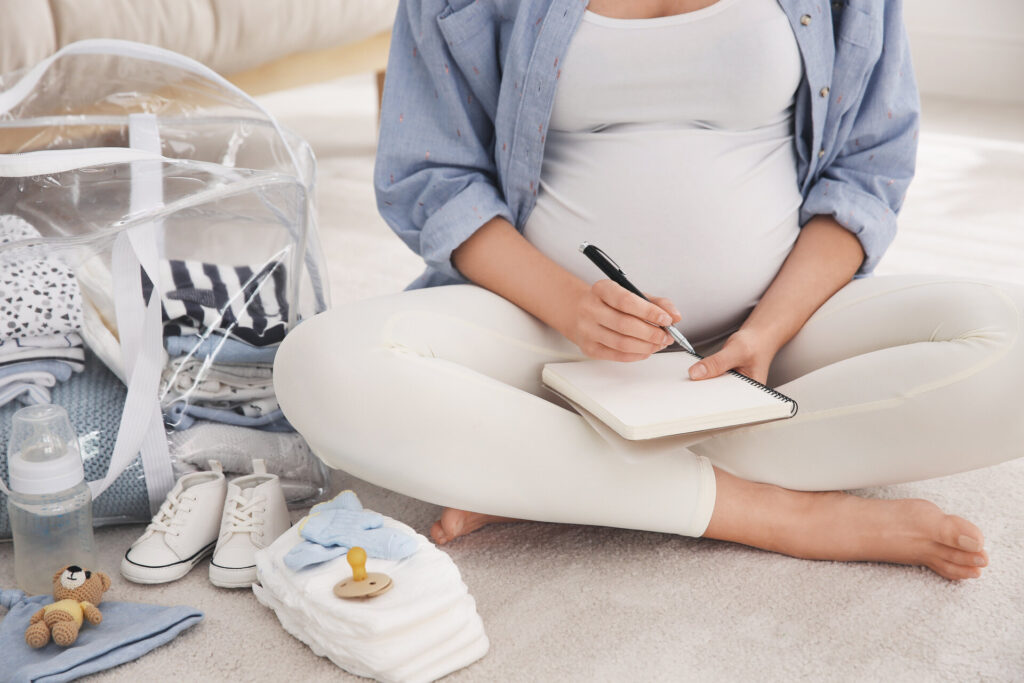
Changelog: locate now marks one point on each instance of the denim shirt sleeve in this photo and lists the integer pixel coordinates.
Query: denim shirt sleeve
(435, 177)
(865, 180)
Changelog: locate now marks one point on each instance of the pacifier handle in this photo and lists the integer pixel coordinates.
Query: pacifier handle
(357, 559)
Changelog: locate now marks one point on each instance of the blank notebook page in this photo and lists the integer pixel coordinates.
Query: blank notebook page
(655, 397)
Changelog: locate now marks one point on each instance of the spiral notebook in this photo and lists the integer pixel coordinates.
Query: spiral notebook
(655, 397)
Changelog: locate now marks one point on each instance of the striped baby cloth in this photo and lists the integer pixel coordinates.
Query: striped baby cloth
(246, 303)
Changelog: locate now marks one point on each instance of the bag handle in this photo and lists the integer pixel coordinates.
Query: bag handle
(126, 48)
(140, 327)
(46, 162)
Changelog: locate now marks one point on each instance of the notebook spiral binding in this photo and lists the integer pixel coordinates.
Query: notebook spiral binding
(765, 388)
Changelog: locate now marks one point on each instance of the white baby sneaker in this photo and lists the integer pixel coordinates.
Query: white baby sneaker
(255, 514)
(182, 532)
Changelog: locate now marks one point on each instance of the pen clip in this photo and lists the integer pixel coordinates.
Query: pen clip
(605, 256)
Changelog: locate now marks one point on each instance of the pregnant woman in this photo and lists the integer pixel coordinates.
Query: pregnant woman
(743, 161)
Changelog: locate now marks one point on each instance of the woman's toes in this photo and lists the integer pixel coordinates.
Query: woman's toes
(437, 533)
(960, 557)
(957, 532)
(953, 571)
(455, 523)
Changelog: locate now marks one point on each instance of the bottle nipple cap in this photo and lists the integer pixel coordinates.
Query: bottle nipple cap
(43, 455)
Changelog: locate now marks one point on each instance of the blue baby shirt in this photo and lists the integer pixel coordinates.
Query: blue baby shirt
(471, 83)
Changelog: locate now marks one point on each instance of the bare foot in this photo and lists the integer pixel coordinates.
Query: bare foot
(455, 523)
(838, 526)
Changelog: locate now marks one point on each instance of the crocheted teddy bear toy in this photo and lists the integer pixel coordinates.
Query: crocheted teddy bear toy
(78, 591)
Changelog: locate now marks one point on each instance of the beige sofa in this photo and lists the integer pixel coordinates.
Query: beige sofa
(261, 45)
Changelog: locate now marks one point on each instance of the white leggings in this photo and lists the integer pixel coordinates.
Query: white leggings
(436, 394)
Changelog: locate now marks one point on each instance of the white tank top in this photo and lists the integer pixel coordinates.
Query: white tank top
(670, 147)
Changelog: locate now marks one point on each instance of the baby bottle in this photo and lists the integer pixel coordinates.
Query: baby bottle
(50, 505)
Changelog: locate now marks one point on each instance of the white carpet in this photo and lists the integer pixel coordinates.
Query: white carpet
(574, 603)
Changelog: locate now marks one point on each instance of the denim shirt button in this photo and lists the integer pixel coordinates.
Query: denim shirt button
(821, 153)
(806, 20)
(824, 91)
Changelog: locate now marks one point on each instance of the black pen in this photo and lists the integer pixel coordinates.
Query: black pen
(615, 274)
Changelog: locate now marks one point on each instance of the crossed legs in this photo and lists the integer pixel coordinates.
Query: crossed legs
(436, 394)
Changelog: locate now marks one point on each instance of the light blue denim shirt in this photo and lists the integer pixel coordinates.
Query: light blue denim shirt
(471, 83)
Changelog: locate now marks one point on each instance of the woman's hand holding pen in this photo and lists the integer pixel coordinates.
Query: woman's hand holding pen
(610, 323)
(605, 320)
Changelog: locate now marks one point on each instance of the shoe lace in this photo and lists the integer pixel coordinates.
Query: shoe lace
(169, 517)
(242, 516)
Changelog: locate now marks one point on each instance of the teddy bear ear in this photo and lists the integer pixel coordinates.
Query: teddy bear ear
(104, 580)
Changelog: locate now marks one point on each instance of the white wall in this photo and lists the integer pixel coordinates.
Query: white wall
(968, 48)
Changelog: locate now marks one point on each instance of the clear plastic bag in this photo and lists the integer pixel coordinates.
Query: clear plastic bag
(157, 241)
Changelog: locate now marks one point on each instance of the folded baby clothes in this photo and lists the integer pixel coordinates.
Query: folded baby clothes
(39, 296)
(424, 627)
(129, 630)
(222, 325)
(54, 341)
(73, 356)
(224, 349)
(183, 415)
(59, 370)
(255, 407)
(302, 474)
(221, 328)
(191, 372)
(248, 304)
(30, 381)
(32, 392)
(247, 400)
(40, 316)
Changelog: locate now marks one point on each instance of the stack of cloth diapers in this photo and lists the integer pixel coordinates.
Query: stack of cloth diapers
(424, 627)
(40, 318)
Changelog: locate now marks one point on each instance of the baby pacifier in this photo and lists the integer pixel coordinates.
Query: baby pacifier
(361, 584)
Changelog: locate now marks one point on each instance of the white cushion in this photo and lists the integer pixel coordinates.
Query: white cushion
(26, 33)
(227, 35)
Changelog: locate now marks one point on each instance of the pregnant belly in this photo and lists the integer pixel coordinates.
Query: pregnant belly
(701, 216)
